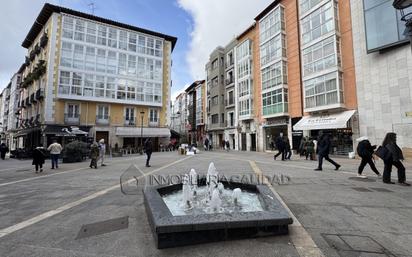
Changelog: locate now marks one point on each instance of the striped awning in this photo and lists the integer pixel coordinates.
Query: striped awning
(147, 132)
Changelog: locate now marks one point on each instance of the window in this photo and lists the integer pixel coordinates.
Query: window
(306, 5)
(102, 112)
(91, 33)
(383, 24)
(88, 85)
(274, 101)
(272, 50)
(73, 111)
(129, 115)
(215, 118)
(64, 83)
(99, 90)
(215, 64)
(132, 42)
(111, 88)
(231, 99)
(80, 29)
(76, 88)
(243, 50)
(102, 35)
(112, 38)
(222, 118)
(66, 59)
(123, 40)
(153, 115)
(68, 24)
(244, 107)
(272, 24)
(215, 100)
(243, 68)
(231, 121)
(274, 75)
(322, 91)
(320, 56)
(244, 88)
(318, 23)
(122, 64)
(215, 82)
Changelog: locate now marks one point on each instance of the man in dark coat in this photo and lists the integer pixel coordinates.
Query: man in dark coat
(365, 151)
(280, 145)
(148, 149)
(38, 158)
(3, 150)
(323, 151)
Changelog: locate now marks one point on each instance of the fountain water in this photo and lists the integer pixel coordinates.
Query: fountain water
(236, 195)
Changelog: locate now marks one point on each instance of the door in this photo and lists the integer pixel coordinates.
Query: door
(243, 141)
(252, 142)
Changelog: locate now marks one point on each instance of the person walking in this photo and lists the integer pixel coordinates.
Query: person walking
(206, 144)
(309, 149)
(227, 145)
(280, 145)
(365, 151)
(38, 158)
(288, 151)
(55, 150)
(148, 147)
(323, 148)
(102, 151)
(395, 158)
(3, 150)
(94, 155)
(302, 149)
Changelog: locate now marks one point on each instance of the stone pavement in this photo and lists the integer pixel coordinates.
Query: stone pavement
(344, 216)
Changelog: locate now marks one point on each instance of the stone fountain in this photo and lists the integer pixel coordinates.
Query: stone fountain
(204, 209)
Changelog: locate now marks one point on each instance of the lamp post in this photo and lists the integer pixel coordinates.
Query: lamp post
(141, 134)
(407, 18)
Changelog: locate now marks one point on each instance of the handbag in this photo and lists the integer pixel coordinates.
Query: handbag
(383, 153)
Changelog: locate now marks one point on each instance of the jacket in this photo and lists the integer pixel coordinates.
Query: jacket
(148, 146)
(280, 145)
(323, 146)
(38, 156)
(55, 148)
(395, 151)
(94, 151)
(365, 149)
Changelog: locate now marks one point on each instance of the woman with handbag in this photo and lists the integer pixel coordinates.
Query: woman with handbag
(38, 158)
(394, 156)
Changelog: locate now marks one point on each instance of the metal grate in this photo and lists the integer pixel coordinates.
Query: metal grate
(103, 227)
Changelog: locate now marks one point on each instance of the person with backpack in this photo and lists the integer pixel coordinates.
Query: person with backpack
(393, 157)
(280, 146)
(38, 158)
(148, 149)
(94, 155)
(365, 150)
(3, 150)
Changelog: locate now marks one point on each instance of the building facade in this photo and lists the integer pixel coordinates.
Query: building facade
(215, 82)
(109, 79)
(195, 95)
(383, 62)
(231, 133)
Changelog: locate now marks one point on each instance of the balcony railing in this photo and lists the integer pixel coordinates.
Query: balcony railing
(129, 121)
(229, 81)
(154, 124)
(32, 98)
(39, 94)
(28, 103)
(72, 118)
(102, 119)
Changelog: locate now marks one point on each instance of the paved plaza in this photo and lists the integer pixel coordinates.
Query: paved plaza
(335, 213)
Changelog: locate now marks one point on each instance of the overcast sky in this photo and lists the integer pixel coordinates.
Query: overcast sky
(200, 25)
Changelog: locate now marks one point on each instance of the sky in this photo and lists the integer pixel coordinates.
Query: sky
(199, 25)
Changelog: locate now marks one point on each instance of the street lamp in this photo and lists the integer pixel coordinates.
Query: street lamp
(407, 18)
(141, 134)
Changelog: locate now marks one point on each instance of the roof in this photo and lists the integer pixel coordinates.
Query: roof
(267, 10)
(246, 31)
(194, 84)
(49, 9)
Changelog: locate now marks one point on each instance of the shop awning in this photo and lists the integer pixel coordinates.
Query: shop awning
(59, 130)
(147, 132)
(330, 121)
(26, 131)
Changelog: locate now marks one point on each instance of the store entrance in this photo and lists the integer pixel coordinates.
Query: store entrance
(341, 140)
(272, 133)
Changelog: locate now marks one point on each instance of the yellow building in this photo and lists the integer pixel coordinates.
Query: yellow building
(108, 79)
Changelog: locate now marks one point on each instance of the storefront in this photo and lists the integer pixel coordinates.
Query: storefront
(134, 137)
(339, 126)
(272, 129)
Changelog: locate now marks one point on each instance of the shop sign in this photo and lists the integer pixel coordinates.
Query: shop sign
(276, 122)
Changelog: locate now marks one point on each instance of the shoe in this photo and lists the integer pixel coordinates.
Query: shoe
(405, 184)
(148, 166)
(337, 167)
(274, 158)
(103, 164)
(390, 182)
(379, 175)
(41, 170)
(318, 169)
(52, 168)
(36, 172)
(361, 176)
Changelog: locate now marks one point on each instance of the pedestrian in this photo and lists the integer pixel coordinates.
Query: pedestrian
(288, 151)
(227, 145)
(302, 144)
(365, 151)
(206, 144)
(309, 149)
(280, 146)
(55, 149)
(148, 149)
(395, 158)
(3, 150)
(323, 148)
(94, 155)
(102, 151)
(38, 158)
